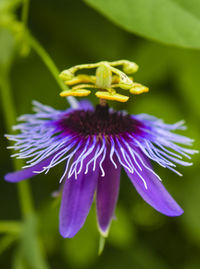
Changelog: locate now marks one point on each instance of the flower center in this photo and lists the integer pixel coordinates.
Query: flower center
(101, 121)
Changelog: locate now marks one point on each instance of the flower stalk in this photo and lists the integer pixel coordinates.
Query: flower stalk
(106, 81)
(26, 203)
(25, 9)
(24, 192)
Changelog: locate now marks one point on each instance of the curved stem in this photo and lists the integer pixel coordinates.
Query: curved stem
(25, 9)
(26, 204)
(51, 66)
(10, 115)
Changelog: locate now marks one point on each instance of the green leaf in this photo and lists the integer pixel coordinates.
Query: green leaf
(174, 22)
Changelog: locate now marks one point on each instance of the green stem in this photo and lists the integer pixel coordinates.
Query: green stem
(7, 103)
(25, 9)
(51, 67)
(25, 197)
(10, 115)
(24, 192)
(11, 227)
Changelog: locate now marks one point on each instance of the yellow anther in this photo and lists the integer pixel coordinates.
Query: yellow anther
(138, 89)
(107, 78)
(78, 93)
(80, 79)
(83, 86)
(112, 96)
(122, 86)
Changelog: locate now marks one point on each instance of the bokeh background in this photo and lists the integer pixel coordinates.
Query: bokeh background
(74, 33)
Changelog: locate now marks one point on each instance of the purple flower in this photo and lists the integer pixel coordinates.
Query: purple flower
(95, 143)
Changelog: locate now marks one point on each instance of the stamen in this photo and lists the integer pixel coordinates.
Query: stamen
(104, 80)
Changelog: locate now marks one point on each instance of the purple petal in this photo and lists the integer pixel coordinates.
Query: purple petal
(107, 194)
(155, 194)
(27, 172)
(77, 199)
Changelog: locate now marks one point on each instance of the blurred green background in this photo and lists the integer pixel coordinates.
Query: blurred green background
(74, 33)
